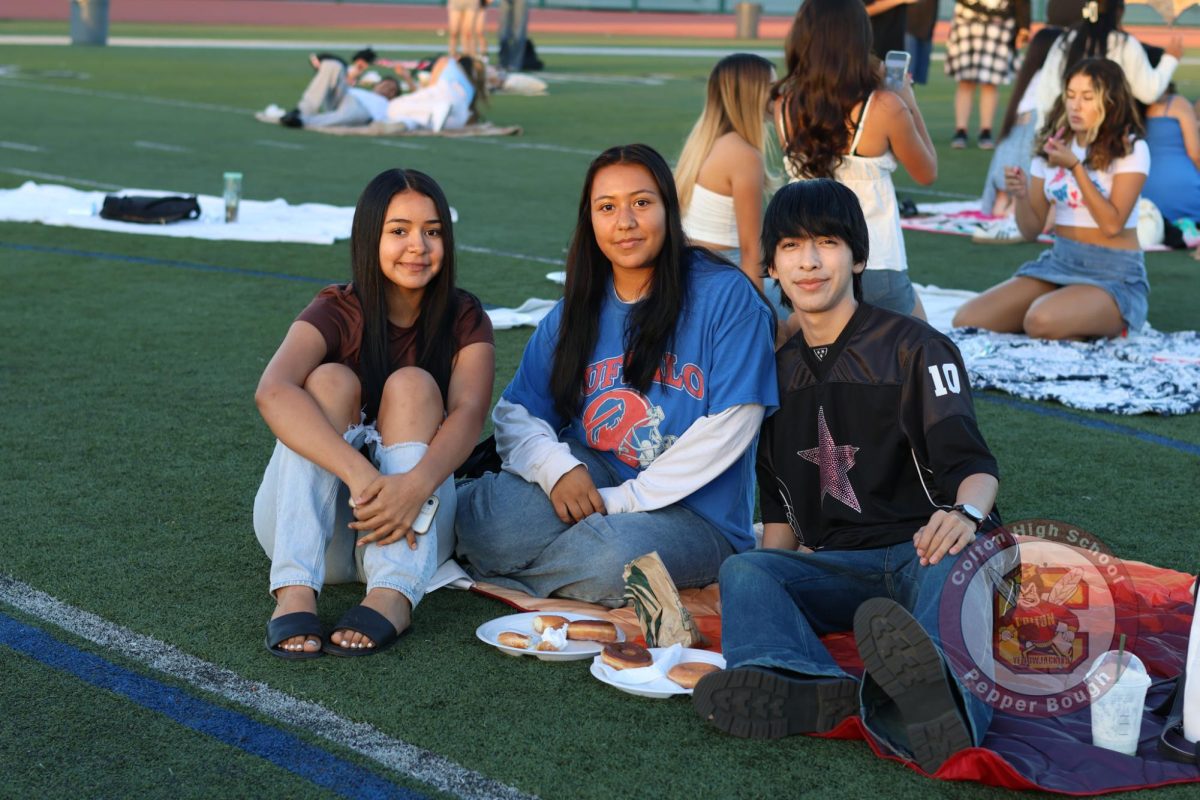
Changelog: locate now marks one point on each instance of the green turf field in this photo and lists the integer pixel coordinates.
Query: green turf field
(131, 448)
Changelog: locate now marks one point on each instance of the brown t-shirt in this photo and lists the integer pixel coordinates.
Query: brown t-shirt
(337, 314)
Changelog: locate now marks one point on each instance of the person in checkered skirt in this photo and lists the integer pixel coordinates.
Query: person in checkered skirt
(984, 38)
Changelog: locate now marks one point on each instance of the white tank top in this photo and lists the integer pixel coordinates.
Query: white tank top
(870, 178)
(710, 218)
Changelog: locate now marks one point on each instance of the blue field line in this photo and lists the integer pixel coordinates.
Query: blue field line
(1088, 422)
(282, 749)
(1047, 411)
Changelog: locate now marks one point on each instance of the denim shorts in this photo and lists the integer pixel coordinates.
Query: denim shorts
(1121, 273)
(890, 289)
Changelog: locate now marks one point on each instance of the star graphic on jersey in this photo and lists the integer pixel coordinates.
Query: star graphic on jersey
(834, 461)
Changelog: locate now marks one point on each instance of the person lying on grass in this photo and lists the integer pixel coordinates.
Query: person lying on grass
(330, 100)
(1091, 165)
(873, 477)
(630, 424)
(360, 62)
(378, 392)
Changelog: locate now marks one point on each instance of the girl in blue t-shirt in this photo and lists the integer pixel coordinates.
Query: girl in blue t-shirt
(630, 424)
(377, 393)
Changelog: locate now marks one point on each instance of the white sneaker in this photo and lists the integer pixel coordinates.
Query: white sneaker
(1000, 231)
(271, 113)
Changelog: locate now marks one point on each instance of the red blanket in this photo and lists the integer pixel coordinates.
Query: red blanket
(1054, 754)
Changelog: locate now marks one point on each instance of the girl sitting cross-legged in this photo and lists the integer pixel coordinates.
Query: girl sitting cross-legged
(630, 424)
(378, 392)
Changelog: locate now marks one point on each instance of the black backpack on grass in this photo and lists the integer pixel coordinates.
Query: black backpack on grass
(150, 210)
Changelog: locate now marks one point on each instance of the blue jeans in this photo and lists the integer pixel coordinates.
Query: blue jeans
(514, 22)
(920, 50)
(302, 517)
(776, 605)
(508, 534)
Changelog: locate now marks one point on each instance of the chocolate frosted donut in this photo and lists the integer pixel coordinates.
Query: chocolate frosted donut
(626, 655)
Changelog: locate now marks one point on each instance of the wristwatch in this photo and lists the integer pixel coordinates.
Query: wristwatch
(970, 512)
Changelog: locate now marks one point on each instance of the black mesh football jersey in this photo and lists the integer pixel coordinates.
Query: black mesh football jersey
(871, 438)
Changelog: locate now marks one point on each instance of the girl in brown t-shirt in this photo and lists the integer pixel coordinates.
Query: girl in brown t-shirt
(377, 393)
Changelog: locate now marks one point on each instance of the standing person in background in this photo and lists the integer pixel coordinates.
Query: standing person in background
(888, 24)
(478, 32)
(514, 26)
(1091, 165)
(836, 120)
(1098, 34)
(918, 40)
(984, 38)
(721, 176)
(460, 25)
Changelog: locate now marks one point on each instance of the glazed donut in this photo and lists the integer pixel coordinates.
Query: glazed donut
(626, 655)
(689, 673)
(545, 645)
(514, 639)
(548, 621)
(592, 630)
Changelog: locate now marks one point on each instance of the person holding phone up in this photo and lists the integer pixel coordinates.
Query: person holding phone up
(837, 120)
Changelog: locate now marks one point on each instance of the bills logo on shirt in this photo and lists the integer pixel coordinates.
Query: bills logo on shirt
(626, 424)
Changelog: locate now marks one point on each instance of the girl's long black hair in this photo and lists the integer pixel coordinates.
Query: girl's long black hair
(651, 323)
(1035, 56)
(1091, 38)
(439, 303)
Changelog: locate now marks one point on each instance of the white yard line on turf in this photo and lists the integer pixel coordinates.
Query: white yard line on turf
(415, 762)
(394, 143)
(51, 176)
(24, 148)
(17, 83)
(557, 262)
(160, 146)
(280, 145)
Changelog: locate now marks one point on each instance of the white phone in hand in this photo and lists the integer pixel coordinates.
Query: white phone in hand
(425, 516)
(895, 69)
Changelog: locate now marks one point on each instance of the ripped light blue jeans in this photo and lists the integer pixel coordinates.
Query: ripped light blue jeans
(302, 516)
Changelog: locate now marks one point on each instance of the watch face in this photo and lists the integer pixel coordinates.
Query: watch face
(972, 512)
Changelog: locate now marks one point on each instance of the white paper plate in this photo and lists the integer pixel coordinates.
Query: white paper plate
(489, 632)
(662, 687)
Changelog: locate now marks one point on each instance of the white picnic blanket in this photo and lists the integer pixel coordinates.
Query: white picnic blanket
(258, 221)
(1145, 373)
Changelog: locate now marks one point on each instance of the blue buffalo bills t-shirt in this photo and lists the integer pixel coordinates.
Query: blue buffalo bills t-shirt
(722, 356)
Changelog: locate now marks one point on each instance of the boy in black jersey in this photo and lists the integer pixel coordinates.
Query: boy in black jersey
(873, 477)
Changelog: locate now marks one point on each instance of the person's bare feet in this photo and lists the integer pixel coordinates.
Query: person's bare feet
(388, 602)
(290, 599)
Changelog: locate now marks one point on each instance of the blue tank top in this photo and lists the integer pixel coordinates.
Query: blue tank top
(1173, 182)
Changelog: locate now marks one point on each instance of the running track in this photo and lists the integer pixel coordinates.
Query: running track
(377, 16)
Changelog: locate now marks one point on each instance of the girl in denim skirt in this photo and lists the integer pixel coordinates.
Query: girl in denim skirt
(1091, 167)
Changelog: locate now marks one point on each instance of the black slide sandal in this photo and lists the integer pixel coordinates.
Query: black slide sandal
(300, 623)
(370, 623)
